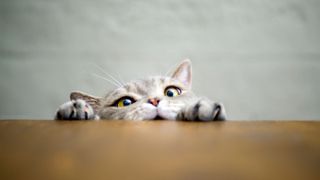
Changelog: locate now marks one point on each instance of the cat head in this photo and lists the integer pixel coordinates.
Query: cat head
(159, 97)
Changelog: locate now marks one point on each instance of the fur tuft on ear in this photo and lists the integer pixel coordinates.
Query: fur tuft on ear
(183, 73)
(92, 100)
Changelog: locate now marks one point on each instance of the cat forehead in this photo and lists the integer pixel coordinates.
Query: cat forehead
(142, 86)
(145, 86)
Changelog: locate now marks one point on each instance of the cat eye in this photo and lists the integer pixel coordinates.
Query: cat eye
(124, 101)
(172, 91)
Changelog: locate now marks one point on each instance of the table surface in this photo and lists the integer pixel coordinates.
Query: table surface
(159, 150)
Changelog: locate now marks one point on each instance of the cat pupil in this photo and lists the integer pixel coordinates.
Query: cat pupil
(170, 93)
(126, 102)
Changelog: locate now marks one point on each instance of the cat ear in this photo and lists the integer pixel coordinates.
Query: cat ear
(92, 100)
(183, 73)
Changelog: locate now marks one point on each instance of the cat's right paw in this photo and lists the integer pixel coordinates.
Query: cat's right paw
(75, 110)
(203, 110)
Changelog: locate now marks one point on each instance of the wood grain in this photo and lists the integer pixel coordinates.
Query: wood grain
(159, 150)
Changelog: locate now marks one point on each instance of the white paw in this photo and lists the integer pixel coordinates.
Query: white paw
(75, 110)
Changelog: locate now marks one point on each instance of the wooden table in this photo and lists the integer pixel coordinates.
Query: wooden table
(159, 150)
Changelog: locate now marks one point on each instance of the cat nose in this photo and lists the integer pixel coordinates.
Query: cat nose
(154, 101)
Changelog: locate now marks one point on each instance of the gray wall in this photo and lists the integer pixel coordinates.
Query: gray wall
(260, 57)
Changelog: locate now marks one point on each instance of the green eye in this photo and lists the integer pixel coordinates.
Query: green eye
(172, 91)
(125, 101)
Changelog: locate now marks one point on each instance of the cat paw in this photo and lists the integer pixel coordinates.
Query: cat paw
(203, 110)
(75, 110)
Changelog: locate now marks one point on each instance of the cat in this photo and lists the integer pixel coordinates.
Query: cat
(152, 98)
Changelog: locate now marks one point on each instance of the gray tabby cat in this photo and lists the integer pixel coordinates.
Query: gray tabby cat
(147, 99)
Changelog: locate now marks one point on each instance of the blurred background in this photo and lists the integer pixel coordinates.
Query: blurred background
(260, 58)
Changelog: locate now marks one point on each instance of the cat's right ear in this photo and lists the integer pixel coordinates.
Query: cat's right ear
(92, 100)
(183, 73)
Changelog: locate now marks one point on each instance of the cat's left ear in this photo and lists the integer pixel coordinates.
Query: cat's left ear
(92, 100)
(183, 73)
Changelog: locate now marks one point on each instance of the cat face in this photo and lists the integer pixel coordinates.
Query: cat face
(151, 98)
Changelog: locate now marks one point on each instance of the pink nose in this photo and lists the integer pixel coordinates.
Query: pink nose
(154, 101)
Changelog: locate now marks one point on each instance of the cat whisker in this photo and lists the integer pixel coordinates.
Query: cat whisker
(134, 111)
(176, 104)
(132, 114)
(120, 79)
(108, 80)
(109, 75)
